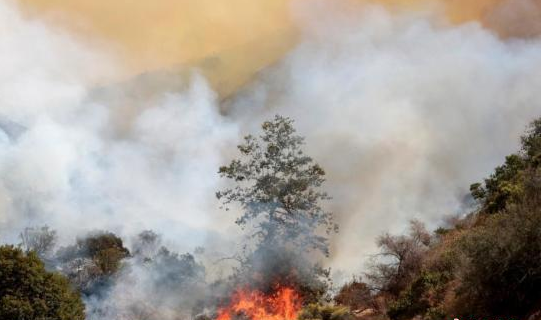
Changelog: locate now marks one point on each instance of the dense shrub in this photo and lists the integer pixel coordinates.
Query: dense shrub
(505, 185)
(356, 295)
(29, 292)
(487, 264)
(93, 260)
(503, 252)
(421, 298)
(503, 273)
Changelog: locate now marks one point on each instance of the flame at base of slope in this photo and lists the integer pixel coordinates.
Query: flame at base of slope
(283, 304)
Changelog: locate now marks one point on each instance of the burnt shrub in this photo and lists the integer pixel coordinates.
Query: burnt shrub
(356, 295)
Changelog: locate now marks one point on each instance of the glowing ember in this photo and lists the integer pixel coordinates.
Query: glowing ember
(284, 304)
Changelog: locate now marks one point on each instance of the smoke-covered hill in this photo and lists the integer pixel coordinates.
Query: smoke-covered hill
(404, 106)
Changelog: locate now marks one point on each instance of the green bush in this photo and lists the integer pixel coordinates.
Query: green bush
(505, 185)
(503, 273)
(29, 292)
(107, 251)
(93, 261)
(422, 297)
(487, 264)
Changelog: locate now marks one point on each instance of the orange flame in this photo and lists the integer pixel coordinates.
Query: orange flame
(283, 304)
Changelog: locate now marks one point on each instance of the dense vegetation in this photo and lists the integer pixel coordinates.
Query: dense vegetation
(92, 260)
(487, 264)
(484, 264)
(29, 292)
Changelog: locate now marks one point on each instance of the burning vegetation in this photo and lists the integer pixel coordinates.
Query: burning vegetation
(282, 304)
(277, 187)
(482, 264)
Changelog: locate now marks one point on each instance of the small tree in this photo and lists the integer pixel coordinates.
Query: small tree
(356, 295)
(400, 259)
(277, 188)
(28, 291)
(146, 245)
(107, 251)
(40, 240)
(93, 260)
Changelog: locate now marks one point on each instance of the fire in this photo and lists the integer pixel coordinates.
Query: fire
(283, 304)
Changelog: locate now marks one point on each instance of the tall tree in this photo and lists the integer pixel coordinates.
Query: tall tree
(277, 186)
(278, 189)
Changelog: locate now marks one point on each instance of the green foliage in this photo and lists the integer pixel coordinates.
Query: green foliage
(29, 292)
(317, 311)
(505, 185)
(490, 268)
(421, 298)
(277, 187)
(93, 260)
(106, 249)
(504, 251)
(531, 143)
(502, 186)
(503, 274)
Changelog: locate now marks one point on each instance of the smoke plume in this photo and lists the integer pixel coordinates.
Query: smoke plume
(403, 107)
(231, 40)
(404, 111)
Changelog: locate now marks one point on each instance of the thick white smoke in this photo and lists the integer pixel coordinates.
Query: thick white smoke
(403, 111)
(61, 163)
